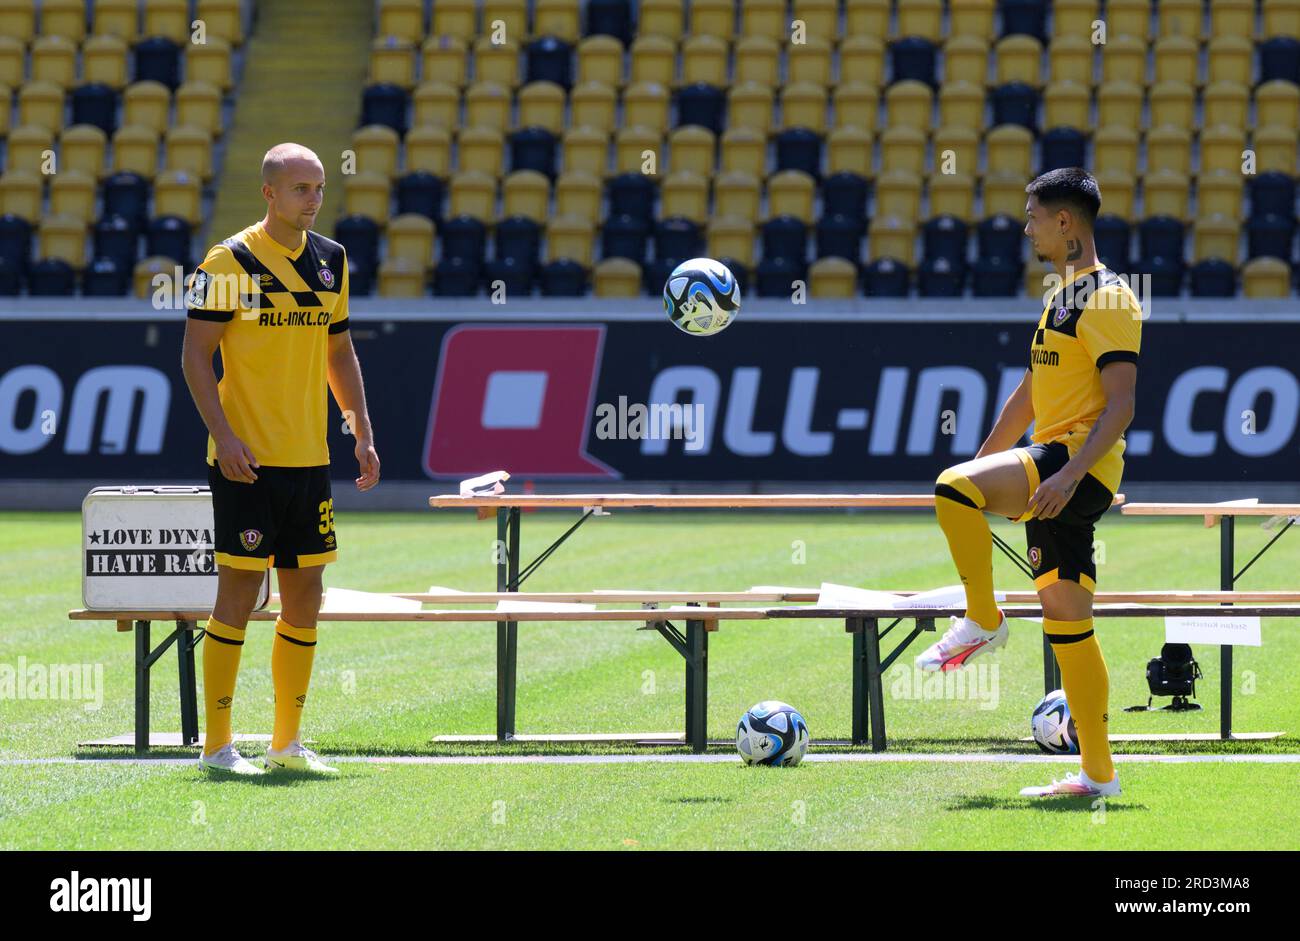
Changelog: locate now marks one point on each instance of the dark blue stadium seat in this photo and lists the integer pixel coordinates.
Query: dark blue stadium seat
(385, 103)
(456, 277)
(1213, 277)
(52, 277)
(420, 192)
(1279, 57)
(518, 238)
(885, 277)
(95, 104)
(361, 278)
(1025, 16)
(798, 148)
(632, 194)
(945, 237)
(1063, 147)
(1015, 103)
(548, 59)
(564, 277)
(702, 104)
(103, 278)
(1112, 236)
(158, 59)
(840, 235)
(127, 195)
(913, 59)
(116, 239)
(940, 277)
(996, 276)
(1160, 236)
(1000, 236)
(737, 268)
(15, 242)
(846, 193)
(625, 236)
(359, 235)
(678, 238)
(1271, 234)
(464, 237)
(11, 279)
(515, 274)
(610, 18)
(654, 274)
(170, 236)
(785, 237)
(533, 148)
(775, 277)
(1166, 274)
(1272, 192)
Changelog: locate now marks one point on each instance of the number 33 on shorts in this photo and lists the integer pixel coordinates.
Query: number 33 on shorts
(326, 510)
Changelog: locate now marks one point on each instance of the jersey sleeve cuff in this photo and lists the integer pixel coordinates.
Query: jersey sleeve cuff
(214, 316)
(340, 326)
(1116, 356)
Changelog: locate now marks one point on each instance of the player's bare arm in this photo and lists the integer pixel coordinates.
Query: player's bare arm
(1013, 421)
(202, 338)
(350, 394)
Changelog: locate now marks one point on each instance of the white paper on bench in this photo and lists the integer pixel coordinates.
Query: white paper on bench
(1209, 629)
(779, 590)
(484, 485)
(543, 606)
(439, 590)
(846, 596)
(347, 600)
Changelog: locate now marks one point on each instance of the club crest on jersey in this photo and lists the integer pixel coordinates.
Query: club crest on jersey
(250, 539)
(327, 277)
(1035, 556)
(198, 289)
(1061, 316)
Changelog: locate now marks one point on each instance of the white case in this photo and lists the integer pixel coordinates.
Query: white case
(150, 549)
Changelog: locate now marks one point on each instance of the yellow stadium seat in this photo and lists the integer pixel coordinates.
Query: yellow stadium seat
(541, 104)
(862, 59)
(1169, 148)
(966, 59)
(198, 104)
(714, 18)
(487, 104)
(1124, 58)
(103, 59)
(953, 194)
(654, 59)
(54, 59)
(809, 61)
(376, 148)
(692, 148)
(481, 148)
(1067, 104)
(600, 59)
(745, 149)
(1275, 149)
(1010, 149)
(631, 144)
(791, 193)
(1216, 237)
(856, 104)
(736, 193)
(209, 63)
(832, 277)
(961, 104)
(506, 19)
(527, 193)
(729, 237)
(135, 149)
(909, 103)
(892, 237)
(1166, 193)
(1116, 148)
(1227, 103)
(1019, 59)
(1221, 147)
(1117, 192)
(646, 104)
(617, 277)
(66, 18)
(586, 149)
(558, 18)
(147, 271)
(1128, 18)
(222, 18)
(1219, 193)
(402, 18)
(1181, 18)
(750, 104)
(72, 193)
(82, 148)
(20, 193)
(178, 193)
(18, 20)
(445, 59)
(392, 60)
(147, 104)
(704, 59)
(661, 18)
(1277, 103)
(848, 150)
(1232, 18)
(1005, 193)
(1231, 59)
(428, 149)
(758, 60)
(168, 18)
(496, 62)
(401, 277)
(1266, 277)
(1281, 18)
(570, 237)
(29, 148)
(1119, 103)
(956, 150)
(40, 104)
(64, 238)
(6, 96)
(473, 193)
(972, 18)
(898, 193)
(456, 18)
(593, 105)
(922, 18)
(764, 18)
(1178, 60)
(13, 57)
(437, 104)
(803, 104)
(866, 18)
(1173, 103)
(578, 194)
(1071, 60)
(1073, 18)
(821, 19)
(190, 149)
(116, 18)
(685, 194)
(902, 148)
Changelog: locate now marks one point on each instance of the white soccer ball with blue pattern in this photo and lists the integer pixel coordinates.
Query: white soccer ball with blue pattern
(772, 733)
(701, 297)
(1053, 726)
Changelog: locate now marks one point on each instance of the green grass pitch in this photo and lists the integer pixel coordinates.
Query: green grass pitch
(386, 690)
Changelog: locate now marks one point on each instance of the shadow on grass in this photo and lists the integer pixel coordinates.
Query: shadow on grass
(1049, 804)
(710, 799)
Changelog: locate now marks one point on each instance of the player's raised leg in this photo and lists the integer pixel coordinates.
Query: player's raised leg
(223, 644)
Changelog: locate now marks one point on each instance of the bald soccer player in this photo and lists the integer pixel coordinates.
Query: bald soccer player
(1079, 392)
(274, 299)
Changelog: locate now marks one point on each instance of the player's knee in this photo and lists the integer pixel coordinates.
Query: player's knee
(955, 486)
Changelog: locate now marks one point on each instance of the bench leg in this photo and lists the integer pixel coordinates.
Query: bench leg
(1227, 579)
(507, 631)
(188, 691)
(875, 683)
(142, 686)
(697, 686)
(861, 709)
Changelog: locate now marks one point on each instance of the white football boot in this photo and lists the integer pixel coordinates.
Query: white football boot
(296, 757)
(961, 643)
(228, 760)
(1074, 785)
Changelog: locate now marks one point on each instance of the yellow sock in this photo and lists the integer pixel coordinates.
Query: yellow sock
(221, 650)
(1087, 690)
(959, 505)
(292, 653)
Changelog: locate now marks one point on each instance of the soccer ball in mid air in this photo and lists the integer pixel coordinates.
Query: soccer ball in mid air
(701, 296)
(1053, 726)
(772, 733)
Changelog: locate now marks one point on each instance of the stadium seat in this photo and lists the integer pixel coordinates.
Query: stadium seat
(898, 193)
(633, 195)
(686, 194)
(703, 105)
(541, 104)
(729, 237)
(784, 237)
(1213, 277)
(856, 105)
(512, 15)
(654, 59)
(799, 148)
(1071, 60)
(223, 19)
(444, 59)
(1073, 18)
(939, 277)
(1167, 192)
(945, 237)
(1169, 148)
(1227, 104)
(420, 192)
(692, 148)
(549, 59)
(593, 105)
(516, 278)
(1063, 147)
(846, 193)
(1233, 18)
(178, 193)
(384, 104)
(516, 239)
(966, 59)
(1216, 237)
(1005, 193)
(587, 150)
(104, 278)
(645, 104)
(617, 277)
(922, 18)
(367, 194)
(1272, 193)
(832, 276)
(15, 241)
(1129, 18)
(757, 59)
(481, 148)
(1173, 104)
(1277, 104)
(487, 104)
(72, 194)
(135, 150)
(402, 18)
(1120, 191)
(1271, 234)
(454, 18)
(209, 62)
(65, 18)
(809, 61)
(115, 241)
(570, 237)
(892, 237)
(157, 59)
(677, 238)
(1112, 236)
(18, 20)
(53, 59)
(1000, 236)
(465, 238)
(600, 59)
(625, 236)
(866, 17)
(713, 18)
(658, 18)
(735, 193)
(913, 60)
(953, 194)
(750, 105)
(170, 237)
(410, 237)
(1015, 103)
(437, 104)
(452, 277)
(428, 150)
(961, 104)
(1025, 16)
(902, 148)
(1115, 149)
(995, 277)
(40, 104)
(849, 150)
(94, 105)
(527, 193)
(764, 18)
(147, 104)
(1266, 278)
(778, 277)
(956, 150)
(376, 147)
(1231, 59)
(1177, 59)
(52, 277)
(563, 278)
(629, 145)
(885, 277)
(840, 235)
(862, 59)
(908, 104)
(1119, 104)
(127, 195)
(1010, 149)
(791, 193)
(198, 104)
(62, 237)
(1279, 58)
(20, 194)
(704, 59)
(971, 18)
(1281, 18)
(497, 63)
(359, 235)
(1160, 236)
(401, 277)
(103, 61)
(473, 193)
(1275, 149)
(1019, 59)
(1221, 147)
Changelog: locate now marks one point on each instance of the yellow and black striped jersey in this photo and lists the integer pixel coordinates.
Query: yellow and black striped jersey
(279, 305)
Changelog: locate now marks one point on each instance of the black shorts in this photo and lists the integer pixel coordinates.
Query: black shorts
(284, 519)
(1061, 548)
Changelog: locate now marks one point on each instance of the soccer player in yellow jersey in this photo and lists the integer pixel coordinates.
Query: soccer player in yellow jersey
(1079, 393)
(274, 299)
